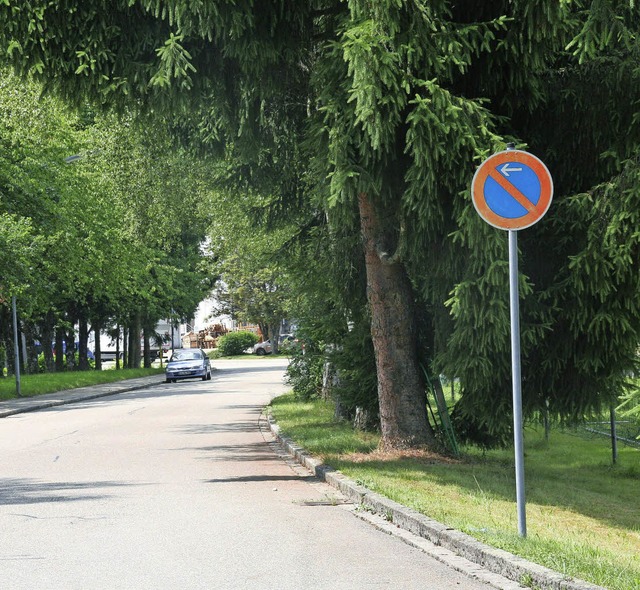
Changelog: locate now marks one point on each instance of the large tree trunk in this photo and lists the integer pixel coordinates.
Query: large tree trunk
(47, 338)
(30, 349)
(70, 348)
(59, 346)
(97, 349)
(3, 339)
(125, 346)
(135, 350)
(118, 348)
(401, 391)
(6, 327)
(146, 334)
(83, 342)
(131, 346)
(274, 335)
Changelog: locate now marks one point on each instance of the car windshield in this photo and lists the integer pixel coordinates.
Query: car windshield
(186, 355)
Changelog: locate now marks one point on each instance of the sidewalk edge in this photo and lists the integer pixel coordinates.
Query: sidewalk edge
(495, 560)
(73, 398)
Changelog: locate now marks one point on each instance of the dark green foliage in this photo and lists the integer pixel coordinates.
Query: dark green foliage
(43, 369)
(304, 372)
(315, 103)
(74, 244)
(354, 363)
(629, 409)
(236, 343)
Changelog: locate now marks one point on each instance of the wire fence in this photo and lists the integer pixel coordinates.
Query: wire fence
(627, 431)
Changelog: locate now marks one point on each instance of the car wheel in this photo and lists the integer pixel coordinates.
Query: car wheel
(261, 352)
(167, 380)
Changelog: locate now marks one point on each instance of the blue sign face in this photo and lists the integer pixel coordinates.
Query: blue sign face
(512, 190)
(501, 201)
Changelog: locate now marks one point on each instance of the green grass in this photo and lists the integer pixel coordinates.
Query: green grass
(31, 385)
(583, 514)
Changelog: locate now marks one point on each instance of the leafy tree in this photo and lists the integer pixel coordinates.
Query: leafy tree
(327, 276)
(35, 135)
(264, 47)
(85, 251)
(18, 251)
(580, 320)
(160, 196)
(385, 109)
(253, 281)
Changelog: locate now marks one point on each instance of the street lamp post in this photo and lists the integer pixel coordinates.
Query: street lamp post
(172, 329)
(16, 348)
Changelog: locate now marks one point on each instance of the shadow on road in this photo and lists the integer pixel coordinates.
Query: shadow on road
(263, 478)
(182, 388)
(247, 426)
(32, 491)
(245, 453)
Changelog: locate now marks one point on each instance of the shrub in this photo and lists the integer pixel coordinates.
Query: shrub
(355, 363)
(235, 343)
(304, 372)
(43, 369)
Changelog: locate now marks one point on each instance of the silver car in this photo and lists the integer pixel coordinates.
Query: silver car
(285, 341)
(188, 363)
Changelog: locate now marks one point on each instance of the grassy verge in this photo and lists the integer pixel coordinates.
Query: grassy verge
(31, 385)
(583, 515)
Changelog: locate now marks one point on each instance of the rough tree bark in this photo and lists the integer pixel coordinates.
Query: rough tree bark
(125, 346)
(146, 351)
(401, 391)
(70, 352)
(97, 351)
(59, 347)
(135, 348)
(47, 339)
(83, 342)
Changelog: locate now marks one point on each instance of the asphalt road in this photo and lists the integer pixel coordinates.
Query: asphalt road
(178, 487)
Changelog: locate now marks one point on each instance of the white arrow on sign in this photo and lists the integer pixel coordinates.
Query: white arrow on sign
(505, 169)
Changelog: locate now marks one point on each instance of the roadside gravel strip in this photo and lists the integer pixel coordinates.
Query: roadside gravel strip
(452, 547)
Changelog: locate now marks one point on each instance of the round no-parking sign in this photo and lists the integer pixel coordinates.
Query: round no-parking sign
(512, 190)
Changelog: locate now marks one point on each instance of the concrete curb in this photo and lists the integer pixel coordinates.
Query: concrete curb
(495, 560)
(70, 396)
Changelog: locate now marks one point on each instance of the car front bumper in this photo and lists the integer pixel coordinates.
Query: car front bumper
(191, 373)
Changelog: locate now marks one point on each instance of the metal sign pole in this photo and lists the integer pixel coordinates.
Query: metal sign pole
(512, 190)
(517, 381)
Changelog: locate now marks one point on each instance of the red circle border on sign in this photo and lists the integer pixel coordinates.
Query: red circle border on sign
(518, 157)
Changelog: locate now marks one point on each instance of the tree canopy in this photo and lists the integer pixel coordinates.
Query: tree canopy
(379, 113)
(253, 285)
(99, 236)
